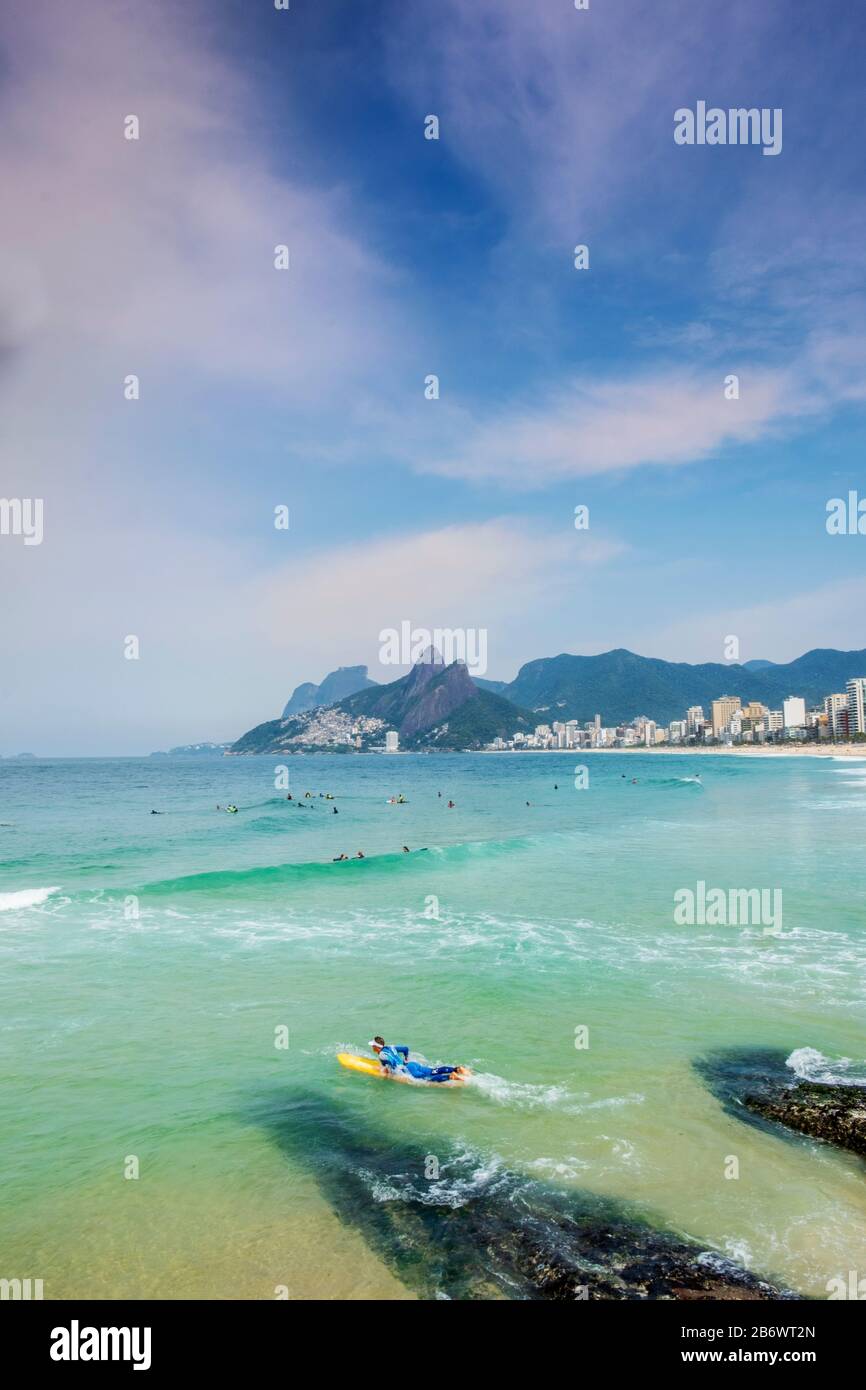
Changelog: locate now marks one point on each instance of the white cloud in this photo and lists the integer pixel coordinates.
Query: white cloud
(494, 575)
(670, 417)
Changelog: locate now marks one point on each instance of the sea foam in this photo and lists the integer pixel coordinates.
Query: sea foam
(25, 897)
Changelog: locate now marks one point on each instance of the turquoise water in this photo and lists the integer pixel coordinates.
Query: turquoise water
(149, 962)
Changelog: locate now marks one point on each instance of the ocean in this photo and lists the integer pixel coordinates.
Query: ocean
(175, 989)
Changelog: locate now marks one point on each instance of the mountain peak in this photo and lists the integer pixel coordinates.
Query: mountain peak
(346, 680)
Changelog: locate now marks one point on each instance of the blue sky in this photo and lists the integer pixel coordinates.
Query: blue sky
(410, 257)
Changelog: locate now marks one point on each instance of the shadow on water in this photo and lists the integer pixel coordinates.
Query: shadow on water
(458, 1225)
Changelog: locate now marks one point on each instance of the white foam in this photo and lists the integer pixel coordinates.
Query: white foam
(522, 1094)
(559, 1168)
(812, 1065)
(25, 897)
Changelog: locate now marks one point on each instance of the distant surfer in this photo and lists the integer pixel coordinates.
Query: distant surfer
(336, 811)
(338, 859)
(450, 805)
(406, 849)
(397, 1059)
(360, 854)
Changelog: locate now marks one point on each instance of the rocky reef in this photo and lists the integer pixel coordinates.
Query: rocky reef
(757, 1086)
(457, 1225)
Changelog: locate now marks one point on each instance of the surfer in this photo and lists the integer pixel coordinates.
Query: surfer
(450, 805)
(397, 1059)
(360, 854)
(336, 812)
(406, 849)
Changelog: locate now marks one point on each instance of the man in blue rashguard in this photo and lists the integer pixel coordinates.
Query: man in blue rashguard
(397, 1059)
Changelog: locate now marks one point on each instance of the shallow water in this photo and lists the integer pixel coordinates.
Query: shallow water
(148, 962)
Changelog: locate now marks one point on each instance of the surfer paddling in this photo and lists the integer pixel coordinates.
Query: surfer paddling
(397, 1059)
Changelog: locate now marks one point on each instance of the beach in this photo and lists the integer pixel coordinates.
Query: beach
(175, 989)
(806, 750)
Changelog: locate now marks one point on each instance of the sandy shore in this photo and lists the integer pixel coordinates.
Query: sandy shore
(809, 750)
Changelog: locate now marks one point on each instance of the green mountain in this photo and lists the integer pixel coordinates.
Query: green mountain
(434, 706)
(619, 685)
(438, 706)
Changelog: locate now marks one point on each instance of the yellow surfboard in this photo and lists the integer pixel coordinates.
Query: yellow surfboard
(369, 1067)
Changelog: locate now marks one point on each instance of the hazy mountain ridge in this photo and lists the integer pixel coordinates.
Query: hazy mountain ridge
(346, 680)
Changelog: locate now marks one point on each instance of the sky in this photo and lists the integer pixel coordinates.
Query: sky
(305, 388)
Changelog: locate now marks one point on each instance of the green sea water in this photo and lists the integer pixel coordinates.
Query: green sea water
(151, 964)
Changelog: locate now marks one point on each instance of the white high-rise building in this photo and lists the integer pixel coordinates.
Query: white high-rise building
(794, 712)
(392, 741)
(695, 718)
(856, 689)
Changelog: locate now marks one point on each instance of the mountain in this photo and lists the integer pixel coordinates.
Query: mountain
(496, 687)
(440, 706)
(434, 706)
(619, 685)
(757, 664)
(336, 686)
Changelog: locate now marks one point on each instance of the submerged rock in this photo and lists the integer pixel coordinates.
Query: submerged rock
(457, 1225)
(756, 1086)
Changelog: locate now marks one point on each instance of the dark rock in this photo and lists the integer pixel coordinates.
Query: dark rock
(478, 1232)
(756, 1086)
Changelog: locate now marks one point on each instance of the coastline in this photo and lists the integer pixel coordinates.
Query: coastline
(856, 752)
(840, 750)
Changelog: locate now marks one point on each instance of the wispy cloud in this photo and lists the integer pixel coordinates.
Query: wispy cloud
(584, 429)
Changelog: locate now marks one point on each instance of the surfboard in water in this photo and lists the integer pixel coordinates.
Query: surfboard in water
(368, 1067)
